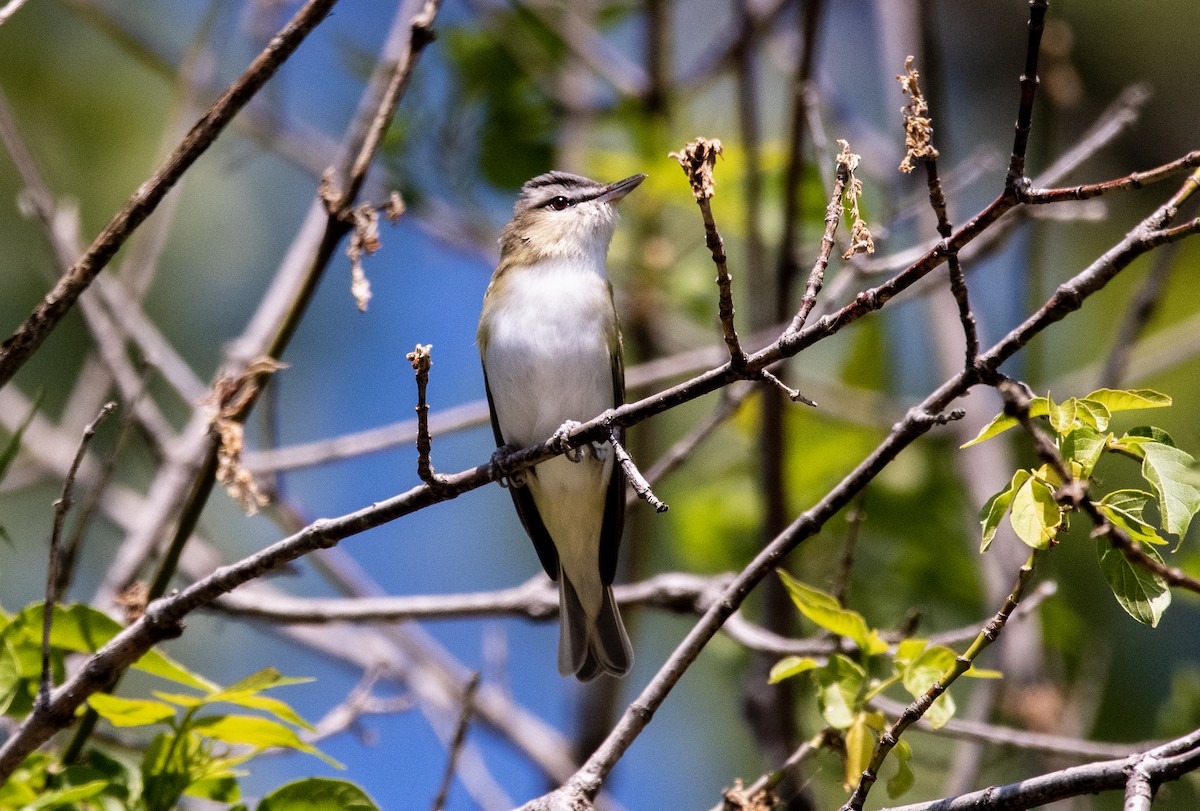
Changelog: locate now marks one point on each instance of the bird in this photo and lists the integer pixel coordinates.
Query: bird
(550, 343)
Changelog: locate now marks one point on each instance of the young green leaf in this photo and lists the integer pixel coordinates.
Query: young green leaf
(318, 794)
(130, 712)
(1124, 508)
(790, 666)
(860, 746)
(826, 611)
(902, 781)
(1002, 422)
(838, 687)
(1129, 399)
(997, 506)
(1143, 594)
(262, 733)
(1092, 414)
(1035, 515)
(928, 669)
(1166, 469)
(1084, 445)
(1062, 415)
(82, 629)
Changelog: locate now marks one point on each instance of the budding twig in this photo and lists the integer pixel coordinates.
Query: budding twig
(918, 140)
(421, 360)
(698, 159)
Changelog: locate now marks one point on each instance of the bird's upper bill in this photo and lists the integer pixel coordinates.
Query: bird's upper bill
(615, 191)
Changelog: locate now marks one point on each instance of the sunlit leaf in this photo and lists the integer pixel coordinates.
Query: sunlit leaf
(1092, 414)
(130, 712)
(995, 508)
(1167, 470)
(82, 629)
(317, 794)
(1129, 399)
(1035, 515)
(1002, 422)
(1143, 594)
(838, 687)
(790, 666)
(1124, 509)
(1084, 446)
(860, 746)
(827, 612)
(903, 779)
(1062, 415)
(258, 732)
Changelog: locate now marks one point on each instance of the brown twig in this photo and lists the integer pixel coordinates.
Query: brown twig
(61, 507)
(919, 143)
(1029, 84)
(1134, 180)
(833, 215)
(421, 359)
(698, 159)
(636, 480)
(456, 744)
(58, 302)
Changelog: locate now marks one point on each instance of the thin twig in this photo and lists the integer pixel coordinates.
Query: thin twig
(456, 744)
(58, 302)
(698, 159)
(636, 480)
(833, 215)
(1134, 180)
(1029, 84)
(421, 360)
(10, 9)
(61, 507)
(919, 143)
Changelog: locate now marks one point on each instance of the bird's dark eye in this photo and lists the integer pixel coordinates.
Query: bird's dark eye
(559, 203)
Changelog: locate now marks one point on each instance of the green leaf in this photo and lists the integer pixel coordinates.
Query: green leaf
(1129, 399)
(1083, 446)
(909, 649)
(790, 666)
(1035, 515)
(1002, 422)
(1124, 509)
(263, 733)
(1166, 469)
(82, 629)
(860, 746)
(902, 781)
(318, 794)
(130, 712)
(1152, 433)
(928, 669)
(826, 611)
(838, 686)
(223, 789)
(1062, 415)
(997, 505)
(1143, 594)
(67, 796)
(1092, 414)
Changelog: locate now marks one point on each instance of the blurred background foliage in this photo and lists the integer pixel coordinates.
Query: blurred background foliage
(101, 90)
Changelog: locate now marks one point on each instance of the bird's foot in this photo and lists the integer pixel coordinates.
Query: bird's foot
(560, 440)
(515, 479)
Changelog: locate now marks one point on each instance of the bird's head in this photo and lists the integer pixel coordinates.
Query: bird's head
(563, 215)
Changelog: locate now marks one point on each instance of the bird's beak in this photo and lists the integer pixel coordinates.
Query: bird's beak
(618, 190)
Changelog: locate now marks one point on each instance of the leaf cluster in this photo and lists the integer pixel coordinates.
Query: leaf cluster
(200, 752)
(847, 682)
(1039, 514)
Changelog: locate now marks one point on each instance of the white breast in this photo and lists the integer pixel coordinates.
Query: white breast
(547, 353)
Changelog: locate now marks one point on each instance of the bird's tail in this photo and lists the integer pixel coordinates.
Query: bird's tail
(588, 647)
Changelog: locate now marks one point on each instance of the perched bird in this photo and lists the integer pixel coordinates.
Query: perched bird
(551, 351)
